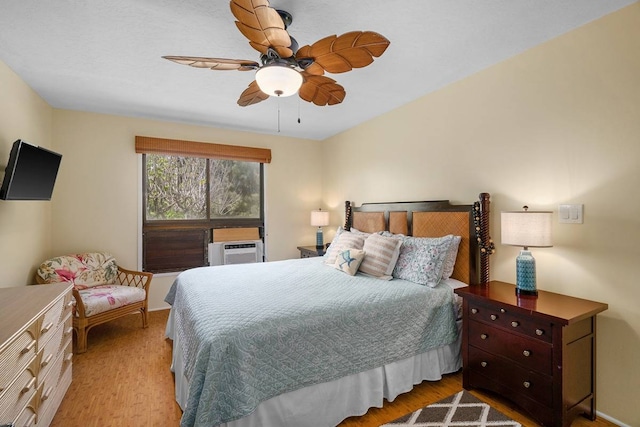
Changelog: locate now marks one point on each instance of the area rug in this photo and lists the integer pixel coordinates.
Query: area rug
(461, 409)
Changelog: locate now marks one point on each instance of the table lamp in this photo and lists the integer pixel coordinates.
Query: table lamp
(319, 219)
(529, 229)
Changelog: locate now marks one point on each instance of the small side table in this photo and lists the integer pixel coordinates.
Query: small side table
(539, 352)
(310, 251)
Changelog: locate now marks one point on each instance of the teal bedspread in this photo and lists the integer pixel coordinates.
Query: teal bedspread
(250, 332)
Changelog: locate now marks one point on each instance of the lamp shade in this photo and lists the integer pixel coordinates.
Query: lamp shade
(526, 228)
(278, 80)
(319, 218)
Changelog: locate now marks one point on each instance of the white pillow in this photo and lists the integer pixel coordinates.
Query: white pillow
(381, 254)
(346, 240)
(450, 260)
(349, 260)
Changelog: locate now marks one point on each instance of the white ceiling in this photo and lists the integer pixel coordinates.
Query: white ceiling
(105, 56)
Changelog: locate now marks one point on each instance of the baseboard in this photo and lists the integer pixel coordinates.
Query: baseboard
(611, 419)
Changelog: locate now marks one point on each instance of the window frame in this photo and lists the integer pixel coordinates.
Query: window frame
(149, 145)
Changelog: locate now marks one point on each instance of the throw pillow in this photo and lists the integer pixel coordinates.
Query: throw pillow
(381, 256)
(422, 259)
(349, 260)
(450, 260)
(346, 240)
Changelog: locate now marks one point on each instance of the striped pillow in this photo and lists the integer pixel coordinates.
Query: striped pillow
(381, 254)
(346, 240)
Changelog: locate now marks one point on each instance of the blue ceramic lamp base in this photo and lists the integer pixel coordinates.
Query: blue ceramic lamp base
(319, 239)
(526, 274)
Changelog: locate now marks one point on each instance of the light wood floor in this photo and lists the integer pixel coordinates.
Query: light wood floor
(124, 380)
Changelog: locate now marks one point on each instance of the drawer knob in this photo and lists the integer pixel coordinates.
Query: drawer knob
(502, 310)
(526, 353)
(31, 420)
(47, 328)
(474, 310)
(47, 360)
(483, 364)
(539, 332)
(493, 317)
(484, 336)
(46, 394)
(526, 384)
(28, 348)
(28, 385)
(515, 324)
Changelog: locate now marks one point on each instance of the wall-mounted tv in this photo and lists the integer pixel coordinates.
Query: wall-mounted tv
(30, 173)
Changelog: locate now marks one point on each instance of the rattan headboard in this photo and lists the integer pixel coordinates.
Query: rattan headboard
(433, 219)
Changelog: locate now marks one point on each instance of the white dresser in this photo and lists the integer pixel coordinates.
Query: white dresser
(35, 352)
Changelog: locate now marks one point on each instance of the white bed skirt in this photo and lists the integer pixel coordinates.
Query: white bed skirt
(327, 404)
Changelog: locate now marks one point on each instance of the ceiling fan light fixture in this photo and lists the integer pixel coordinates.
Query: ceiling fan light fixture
(278, 80)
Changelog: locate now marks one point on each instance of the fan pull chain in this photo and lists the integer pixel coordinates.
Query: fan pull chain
(278, 114)
(298, 110)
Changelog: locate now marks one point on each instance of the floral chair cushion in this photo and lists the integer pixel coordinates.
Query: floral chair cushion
(82, 270)
(101, 298)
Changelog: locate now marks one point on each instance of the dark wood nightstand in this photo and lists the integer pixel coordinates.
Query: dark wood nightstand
(310, 251)
(539, 352)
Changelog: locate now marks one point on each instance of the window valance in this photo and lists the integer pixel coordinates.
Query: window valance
(147, 145)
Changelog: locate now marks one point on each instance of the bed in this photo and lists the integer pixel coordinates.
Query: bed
(300, 343)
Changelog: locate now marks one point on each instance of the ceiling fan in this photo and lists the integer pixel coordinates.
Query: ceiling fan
(286, 69)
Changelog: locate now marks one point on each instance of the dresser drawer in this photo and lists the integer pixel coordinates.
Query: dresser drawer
(530, 353)
(505, 318)
(16, 396)
(52, 317)
(54, 346)
(17, 355)
(27, 417)
(48, 389)
(519, 380)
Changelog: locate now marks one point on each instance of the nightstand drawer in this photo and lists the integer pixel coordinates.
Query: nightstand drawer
(504, 317)
(521, 381)
(532, 354)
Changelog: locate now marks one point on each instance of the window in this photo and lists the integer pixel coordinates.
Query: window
(185, 196)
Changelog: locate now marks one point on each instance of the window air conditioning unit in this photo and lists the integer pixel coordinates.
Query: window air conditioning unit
(241, 252)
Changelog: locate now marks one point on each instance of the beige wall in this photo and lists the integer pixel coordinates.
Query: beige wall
(98, 190)
(25, 227)
(559, 123)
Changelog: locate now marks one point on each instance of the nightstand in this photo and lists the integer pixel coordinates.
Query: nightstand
(539, 352)
(309, 251)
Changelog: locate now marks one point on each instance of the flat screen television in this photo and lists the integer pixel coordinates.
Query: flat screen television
(30, 173)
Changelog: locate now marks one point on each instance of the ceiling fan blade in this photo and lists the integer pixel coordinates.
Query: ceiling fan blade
(215, 63)
(346, 52)
(305, 53)
(321, 90)
(262, 25)
(252, 95)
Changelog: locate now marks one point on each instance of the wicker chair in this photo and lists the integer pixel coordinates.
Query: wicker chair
(103, 291)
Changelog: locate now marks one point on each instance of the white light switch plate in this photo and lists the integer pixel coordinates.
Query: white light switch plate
(570, 214)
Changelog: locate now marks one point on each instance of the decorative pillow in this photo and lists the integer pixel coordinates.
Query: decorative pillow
(339, 231)
(381, 256)
(422, 259)
(450, 260)
(82, 270)
(349, 260)
(356, 231)
(346, 240)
